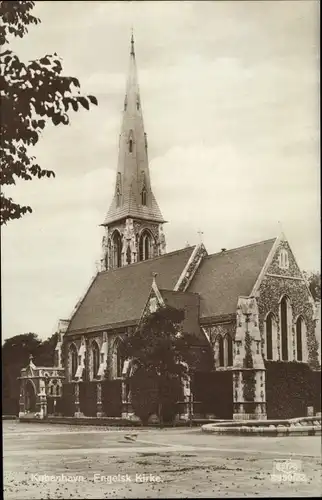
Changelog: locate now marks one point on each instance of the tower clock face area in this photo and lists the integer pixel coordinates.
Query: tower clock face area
(133, 224)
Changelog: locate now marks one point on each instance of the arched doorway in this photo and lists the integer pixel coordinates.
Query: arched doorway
(30, 397)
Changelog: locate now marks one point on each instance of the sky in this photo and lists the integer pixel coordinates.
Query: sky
(230, 99)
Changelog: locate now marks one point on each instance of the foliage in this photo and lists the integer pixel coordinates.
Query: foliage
(112, 397)
(213, 393)
(314, 282)
(290, 388)
(158, 345)
(248, 361)
(68, 400)
(33, 95)
(249, 385)
(160, 348)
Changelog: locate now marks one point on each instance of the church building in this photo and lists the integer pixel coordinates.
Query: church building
(248, 309)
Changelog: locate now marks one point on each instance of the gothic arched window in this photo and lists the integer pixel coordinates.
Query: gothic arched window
(95, 358)
(130, 145)
(72, 360)
(128, 255)
(299, 339)
(145, 246)
(118, 358)
(117, 249)
(285, 312)
(228, 350)
(143, 196)
(220, 342)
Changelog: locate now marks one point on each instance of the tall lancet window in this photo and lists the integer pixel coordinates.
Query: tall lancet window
(95, 359)
(117, 249)
(143, 196)
(145, 244)
(72, 355)
(228, 350)
(286, 319)
(220, 342)
(131, 141)
(143, 189)
(299, 339)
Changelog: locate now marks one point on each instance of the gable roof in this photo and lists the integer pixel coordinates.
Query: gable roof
(117, 296)
(222, 277)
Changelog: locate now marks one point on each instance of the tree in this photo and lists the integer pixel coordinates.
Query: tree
(160, 348)
(15, 356)
(314, 282)
(33, 94)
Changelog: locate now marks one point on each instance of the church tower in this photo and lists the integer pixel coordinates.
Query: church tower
(133, 224)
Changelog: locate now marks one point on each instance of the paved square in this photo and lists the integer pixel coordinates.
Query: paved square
(100, 462)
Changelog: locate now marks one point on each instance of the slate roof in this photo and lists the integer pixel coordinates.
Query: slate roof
(131, 208)
(189, 302)
(117, 297)
(223, 277)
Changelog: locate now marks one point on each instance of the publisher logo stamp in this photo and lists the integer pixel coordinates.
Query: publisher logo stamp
(288, 471)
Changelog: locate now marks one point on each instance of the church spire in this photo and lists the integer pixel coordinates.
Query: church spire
(133, 196)
(133, 224)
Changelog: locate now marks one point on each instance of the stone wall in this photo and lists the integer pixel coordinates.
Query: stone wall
(278, 282)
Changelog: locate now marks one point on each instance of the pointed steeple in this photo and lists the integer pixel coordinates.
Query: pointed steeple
(133, 196)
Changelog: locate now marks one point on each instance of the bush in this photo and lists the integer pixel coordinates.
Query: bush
(290, 388)
(112, 397)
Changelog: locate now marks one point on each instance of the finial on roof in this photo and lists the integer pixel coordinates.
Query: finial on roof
(281, 231)
(132, 43)
(154, 277)
(200, 235)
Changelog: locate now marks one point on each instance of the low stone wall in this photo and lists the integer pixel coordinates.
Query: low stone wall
(303, 426)
(99, 421)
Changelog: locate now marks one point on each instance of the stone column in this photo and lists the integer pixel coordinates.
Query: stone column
(99, 405)
(77, 402)
(249, 393)
(42, 398)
